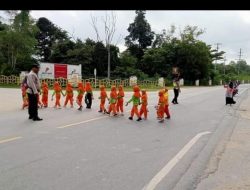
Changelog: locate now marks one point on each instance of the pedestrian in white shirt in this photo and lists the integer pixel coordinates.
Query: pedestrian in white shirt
(33, 84)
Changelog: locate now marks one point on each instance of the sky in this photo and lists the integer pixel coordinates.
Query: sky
(229, 28)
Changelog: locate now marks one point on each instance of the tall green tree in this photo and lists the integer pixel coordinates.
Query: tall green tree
(18, 40)
(127, 67)
(140, 35)
(191, 55)
(60, 51)
(48, 34)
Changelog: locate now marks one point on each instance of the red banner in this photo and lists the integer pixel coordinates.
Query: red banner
(60, 70)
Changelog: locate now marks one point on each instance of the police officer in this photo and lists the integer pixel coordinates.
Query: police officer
(33, 84)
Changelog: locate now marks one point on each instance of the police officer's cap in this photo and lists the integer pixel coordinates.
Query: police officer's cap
(36, 65)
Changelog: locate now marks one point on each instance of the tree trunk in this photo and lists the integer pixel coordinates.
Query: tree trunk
(12, 59)
(9, 59)
(14, 63)
(108, 61)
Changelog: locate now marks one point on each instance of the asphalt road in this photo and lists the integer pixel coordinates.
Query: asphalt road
(73, 150)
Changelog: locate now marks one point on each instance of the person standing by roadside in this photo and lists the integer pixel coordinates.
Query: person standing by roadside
(177, 90)
(33, 92)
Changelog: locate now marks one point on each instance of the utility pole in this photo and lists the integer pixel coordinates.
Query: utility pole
(224, 65)
(217, 50)
(240, 55)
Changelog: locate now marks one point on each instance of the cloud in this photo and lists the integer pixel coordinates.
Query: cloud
(230, 28)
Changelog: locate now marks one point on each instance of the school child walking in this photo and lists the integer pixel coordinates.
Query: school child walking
(89, 95)
(103, 97)
(120, 100)
(69, 95)
(112, 101)
(39, 103)
(57, 91)
(161, 106)
(81, 91)
(136, 102)
(24, 96)
(166, 97)
(144, 104)
(45, 94)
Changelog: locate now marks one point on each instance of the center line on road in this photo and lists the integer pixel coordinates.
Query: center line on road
(86, 121)
(9, 139)
(169, 166)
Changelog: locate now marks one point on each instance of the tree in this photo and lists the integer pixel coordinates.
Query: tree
(82, 53)
(189, 54)
(47, 36)
(140, 35)
(164, 37)
(18, 39)
(100, 58)
(60, 51)
(127, 67)
(109, 22)
(242, 67)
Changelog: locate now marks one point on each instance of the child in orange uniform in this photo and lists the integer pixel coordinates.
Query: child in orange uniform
(136, 101)
(166, 110)
(57, 92)
(81, 91)
(89, 95)
(161, 106)
(25, 96)
(119, 105)
(103, 97)
(39, 103)
(69, 95)
(144, 104)
(45, 93)
(112, 101)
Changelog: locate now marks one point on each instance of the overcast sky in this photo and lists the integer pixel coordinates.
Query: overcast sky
(230, 28)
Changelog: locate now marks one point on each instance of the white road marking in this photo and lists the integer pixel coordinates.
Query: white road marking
(169, 166)
(86, 121)
(9, 139)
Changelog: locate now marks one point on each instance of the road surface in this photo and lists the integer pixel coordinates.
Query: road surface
(73, 150)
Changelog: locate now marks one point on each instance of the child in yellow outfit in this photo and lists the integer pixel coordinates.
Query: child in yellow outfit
(166, 97)
(161, 106)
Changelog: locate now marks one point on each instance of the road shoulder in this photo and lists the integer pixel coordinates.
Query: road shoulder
(229, 166)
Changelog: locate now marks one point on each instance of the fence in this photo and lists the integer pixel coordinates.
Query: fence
(15, 80)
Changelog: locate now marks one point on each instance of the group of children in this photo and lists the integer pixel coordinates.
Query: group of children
(69, 93)
(139, 98)
(115, 99)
